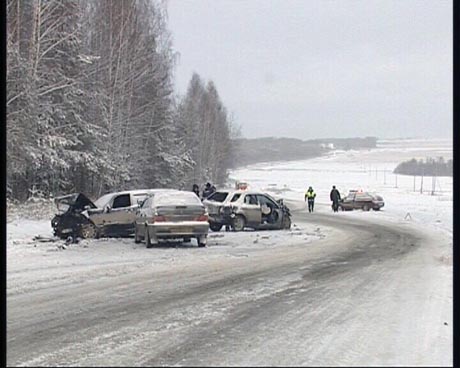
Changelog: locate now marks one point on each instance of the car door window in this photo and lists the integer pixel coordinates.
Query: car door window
(267, 201)
(121, 201)
(250, 199)
(363, 197)
(235, 197)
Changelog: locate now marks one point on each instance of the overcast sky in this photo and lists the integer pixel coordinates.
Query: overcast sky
(321, 68)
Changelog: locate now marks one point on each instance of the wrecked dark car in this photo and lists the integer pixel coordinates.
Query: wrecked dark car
(70, 220)
(112, 215)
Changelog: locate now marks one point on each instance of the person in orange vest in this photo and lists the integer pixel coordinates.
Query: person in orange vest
(310, 196)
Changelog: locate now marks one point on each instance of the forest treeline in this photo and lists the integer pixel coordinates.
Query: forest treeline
(428, 167)
(91, 105)
(251, 151)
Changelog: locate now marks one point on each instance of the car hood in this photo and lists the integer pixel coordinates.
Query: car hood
(76, 201)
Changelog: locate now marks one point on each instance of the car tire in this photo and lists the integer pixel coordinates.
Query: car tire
(214, 226)
(201, 240)
(239, 222)
(376, 209)
(147, 238)
(137, 240)
(366, 207)
(88, 231)
(286, 223)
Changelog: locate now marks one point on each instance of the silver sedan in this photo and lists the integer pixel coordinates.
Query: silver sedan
(172, 215)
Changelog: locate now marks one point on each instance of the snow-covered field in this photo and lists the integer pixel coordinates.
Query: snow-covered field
(40, 267)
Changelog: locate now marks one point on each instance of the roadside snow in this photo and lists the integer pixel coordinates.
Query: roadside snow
(33, 264)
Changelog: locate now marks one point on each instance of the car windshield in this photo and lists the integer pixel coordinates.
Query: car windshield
(103, 201)
(218, 197)
(62, 206)
(176, 199)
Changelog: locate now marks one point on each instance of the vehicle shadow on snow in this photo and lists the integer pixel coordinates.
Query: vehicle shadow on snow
(176, 244)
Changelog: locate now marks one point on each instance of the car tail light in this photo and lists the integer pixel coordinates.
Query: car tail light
(158, 218)
(202, 218)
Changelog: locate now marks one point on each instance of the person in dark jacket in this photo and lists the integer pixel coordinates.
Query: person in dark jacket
(196, 190)
(310, 195)
(208, 190)
(335, 198)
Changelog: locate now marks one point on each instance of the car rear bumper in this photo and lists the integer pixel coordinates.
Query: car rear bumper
(178, 229)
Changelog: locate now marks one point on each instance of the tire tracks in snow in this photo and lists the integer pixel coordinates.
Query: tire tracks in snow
(211, 315)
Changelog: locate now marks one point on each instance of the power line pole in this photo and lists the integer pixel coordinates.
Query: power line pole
(421, 182)
(433, 182)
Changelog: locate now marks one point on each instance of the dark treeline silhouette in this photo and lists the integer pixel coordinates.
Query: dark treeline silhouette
(428, 167)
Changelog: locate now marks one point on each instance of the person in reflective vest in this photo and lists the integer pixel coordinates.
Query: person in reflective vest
(310, 197)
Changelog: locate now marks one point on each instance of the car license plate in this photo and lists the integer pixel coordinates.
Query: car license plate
(181, 230)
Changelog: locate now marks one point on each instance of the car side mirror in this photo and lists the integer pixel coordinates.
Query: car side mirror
(108, 209)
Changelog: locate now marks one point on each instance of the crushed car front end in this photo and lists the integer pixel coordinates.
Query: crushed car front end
(72, 215)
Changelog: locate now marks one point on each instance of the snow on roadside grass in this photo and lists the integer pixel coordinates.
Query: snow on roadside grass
(33, 209)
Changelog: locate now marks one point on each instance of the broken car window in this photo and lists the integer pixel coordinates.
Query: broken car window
(121, 201)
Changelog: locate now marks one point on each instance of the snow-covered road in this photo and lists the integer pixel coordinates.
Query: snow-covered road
(367, 292)
(345, 289)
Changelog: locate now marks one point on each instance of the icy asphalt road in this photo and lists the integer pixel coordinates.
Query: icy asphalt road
(367, 294)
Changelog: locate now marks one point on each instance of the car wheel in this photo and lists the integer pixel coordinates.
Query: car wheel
(137, 240)
(147, 238)
(376, 209)
(214, 226)
(366, 207)
(286, 223)
(88, 231)
(201, 240)
(239, 222)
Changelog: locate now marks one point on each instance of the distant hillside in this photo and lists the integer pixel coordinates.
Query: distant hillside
(268, 149)
(349, 143)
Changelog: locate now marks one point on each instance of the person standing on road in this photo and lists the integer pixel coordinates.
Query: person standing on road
(208, 190)
(335, 198)
(196, 190)
(310, 197)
